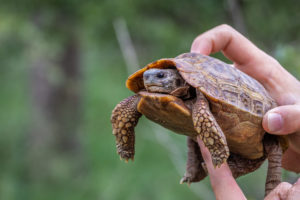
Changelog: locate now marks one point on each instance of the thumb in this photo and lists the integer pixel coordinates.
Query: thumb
(282, 120)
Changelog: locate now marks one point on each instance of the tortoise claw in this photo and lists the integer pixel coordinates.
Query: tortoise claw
(126, 159)
(124, 118)
(185, 180)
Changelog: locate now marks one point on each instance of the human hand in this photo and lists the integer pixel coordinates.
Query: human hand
(281, 85)
(225, 186)
(285, 191)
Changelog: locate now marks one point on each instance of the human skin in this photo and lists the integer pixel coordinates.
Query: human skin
(281, 85)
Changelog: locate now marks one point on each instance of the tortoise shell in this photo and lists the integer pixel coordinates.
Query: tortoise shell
(217, 80)
(237, 101)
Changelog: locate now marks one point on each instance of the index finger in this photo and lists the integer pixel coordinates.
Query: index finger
(233, 44)
(246, 57)
(221, 178)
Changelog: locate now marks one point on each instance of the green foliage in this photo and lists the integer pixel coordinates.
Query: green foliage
(158, 29)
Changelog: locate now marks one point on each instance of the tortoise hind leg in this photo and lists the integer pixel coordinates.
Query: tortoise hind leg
(194, 170)
(240, 166)
(124, 118)
(274, 154)
(209, 130)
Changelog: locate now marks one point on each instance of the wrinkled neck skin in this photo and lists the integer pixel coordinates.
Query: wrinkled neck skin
(166, 81)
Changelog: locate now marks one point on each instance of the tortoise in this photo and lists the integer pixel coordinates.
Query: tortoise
(201, 96)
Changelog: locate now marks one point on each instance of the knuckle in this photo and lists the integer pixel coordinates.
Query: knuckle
(284, 185)
(272, 60)
(225, 27)
(282, 189)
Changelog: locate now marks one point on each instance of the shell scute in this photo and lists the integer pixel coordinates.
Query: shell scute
(217, 80)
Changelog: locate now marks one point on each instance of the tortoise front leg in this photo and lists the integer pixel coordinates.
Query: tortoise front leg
(209, 131)
(194, 171)
(124, 118)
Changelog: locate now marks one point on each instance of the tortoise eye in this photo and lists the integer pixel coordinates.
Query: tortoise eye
(160, 75)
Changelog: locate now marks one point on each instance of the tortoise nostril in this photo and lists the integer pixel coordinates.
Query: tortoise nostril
(178, 82)
(160, 75)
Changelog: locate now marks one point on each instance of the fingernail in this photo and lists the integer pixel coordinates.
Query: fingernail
(202, 48)
(198, 49)
(275, 122)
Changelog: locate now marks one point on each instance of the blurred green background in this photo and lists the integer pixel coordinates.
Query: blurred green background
(62, 70)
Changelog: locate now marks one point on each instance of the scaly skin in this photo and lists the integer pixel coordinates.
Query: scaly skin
(274, 153)
(124, 118)
(228, 102)
(194, 170)
(209, 131)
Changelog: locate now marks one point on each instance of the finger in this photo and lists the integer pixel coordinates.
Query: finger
(294, 192)
(280, 192)
(233, 44)
(282, 120)
(245, 55)
(285, 120)
(222, 181)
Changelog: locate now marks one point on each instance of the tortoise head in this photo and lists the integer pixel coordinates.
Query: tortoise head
(162, 80)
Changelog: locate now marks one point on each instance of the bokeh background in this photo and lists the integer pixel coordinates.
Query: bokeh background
(63, 65)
